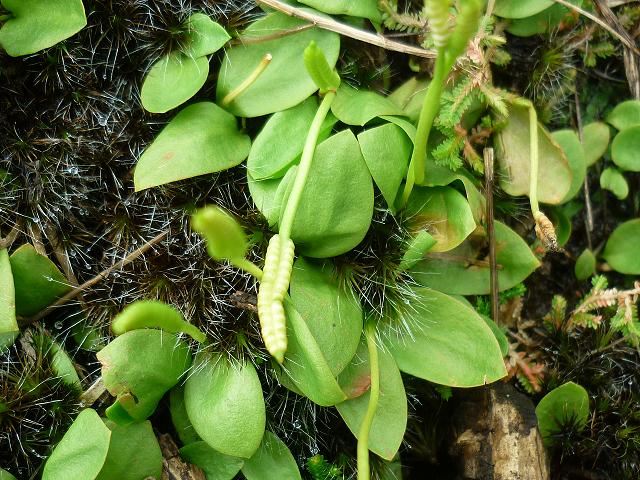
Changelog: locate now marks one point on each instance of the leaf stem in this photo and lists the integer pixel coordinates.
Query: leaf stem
(364, 472)
(544, 228)
(248, 266)
(533, 153)
(430, 107)
(247, 82)
(303, 169)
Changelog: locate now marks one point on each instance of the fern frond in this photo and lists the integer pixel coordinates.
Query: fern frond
(400, 21)
(447, 154)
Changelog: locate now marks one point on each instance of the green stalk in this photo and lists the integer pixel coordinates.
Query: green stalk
(430, 107)
(544, 228)
(533, 153)
(304, 168)
(248, 266)
(364, 471)
(247, 82)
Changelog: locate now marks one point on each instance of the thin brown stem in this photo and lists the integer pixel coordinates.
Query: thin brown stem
(91, 282)
(6, 242)
(61, 255)
(249, 40)
(35, 234)
(585, 186)
(348, 30)
(467, 261)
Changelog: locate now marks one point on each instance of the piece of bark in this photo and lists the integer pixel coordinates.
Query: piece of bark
(495, 436)
(173, 467)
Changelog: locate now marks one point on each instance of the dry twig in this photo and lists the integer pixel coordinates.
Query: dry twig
(348, 30)
(91, 282)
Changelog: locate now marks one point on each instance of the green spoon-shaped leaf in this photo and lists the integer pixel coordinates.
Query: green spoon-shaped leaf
(520, 8)
(465, 270)
(418, 246)
(595, 140)
(574, 151)
(154, 314)
(390, 420)
(180, 418)
(625, 115)
(541, 22)
(585, 265)
(612, 179)
(38, 24)
(133, 453)
(332, 313)
(512, 154)
(173, 80)
(625, 148)
(268, 195)
(444, 213)
(38, 282)
(305, 364)
(225, 405)
(201, 139)
(8, 325)
(447, 343)
(357, 107)
(438, 176)
(139, 367)
(82, 451)
(337, 203)
(272, 460)
(567, 403)
(353, 8)
(386, 150)
(281, 140)
(204, 36)
(621, 250)
(215, 465)
(285, 82)
(61, 363)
